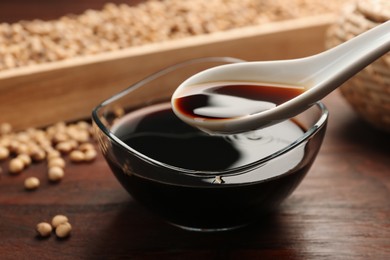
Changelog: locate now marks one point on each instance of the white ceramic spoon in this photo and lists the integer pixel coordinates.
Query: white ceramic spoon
(319, 75)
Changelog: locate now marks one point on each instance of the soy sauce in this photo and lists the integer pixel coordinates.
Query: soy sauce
(224, 100)
(157, 133)
(204, 201)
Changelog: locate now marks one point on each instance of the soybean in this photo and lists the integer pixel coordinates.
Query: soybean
(58, 220)
(16, 165)
(56, 174)
(63, 230)
(44, 229)
(31, 183)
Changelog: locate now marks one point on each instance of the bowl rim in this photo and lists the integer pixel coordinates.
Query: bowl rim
(308, 133)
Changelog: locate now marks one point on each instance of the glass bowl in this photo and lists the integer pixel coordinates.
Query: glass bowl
(194, 180)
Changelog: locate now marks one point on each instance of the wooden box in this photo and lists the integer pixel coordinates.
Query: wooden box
(68, 90)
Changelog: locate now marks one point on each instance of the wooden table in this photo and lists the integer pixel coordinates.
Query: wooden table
(340, 211)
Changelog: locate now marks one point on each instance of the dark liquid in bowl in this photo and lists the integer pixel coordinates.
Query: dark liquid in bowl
(205, 201)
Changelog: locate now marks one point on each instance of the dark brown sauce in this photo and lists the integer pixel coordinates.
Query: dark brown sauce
(157, 133)
(223, 100)
(206, 201)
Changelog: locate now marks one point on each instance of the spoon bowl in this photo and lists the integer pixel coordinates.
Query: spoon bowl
(318, 75)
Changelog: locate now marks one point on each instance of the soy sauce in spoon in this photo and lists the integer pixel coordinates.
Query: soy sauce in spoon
(227, 100)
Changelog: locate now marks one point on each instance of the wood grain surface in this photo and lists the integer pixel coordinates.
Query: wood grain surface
(340, 211)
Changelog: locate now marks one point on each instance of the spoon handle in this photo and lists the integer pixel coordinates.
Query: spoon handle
(347, 59)
(330, 69)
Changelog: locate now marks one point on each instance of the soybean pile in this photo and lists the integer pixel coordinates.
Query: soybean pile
(119, 26)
